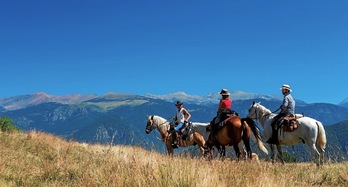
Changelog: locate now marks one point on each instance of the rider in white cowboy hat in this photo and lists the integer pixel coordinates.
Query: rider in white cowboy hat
(287, 107)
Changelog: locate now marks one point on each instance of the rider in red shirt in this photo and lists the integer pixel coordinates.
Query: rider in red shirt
(225, 104)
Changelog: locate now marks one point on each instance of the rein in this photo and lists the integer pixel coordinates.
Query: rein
(163, 122)
(277, 110)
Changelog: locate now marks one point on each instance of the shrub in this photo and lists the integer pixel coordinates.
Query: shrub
(6, 125)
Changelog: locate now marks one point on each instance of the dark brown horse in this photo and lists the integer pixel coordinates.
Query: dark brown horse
(232, 132)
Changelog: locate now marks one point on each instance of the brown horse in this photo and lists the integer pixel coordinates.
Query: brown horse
(232, 132)
(163, 126)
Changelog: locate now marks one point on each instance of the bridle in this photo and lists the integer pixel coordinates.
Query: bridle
(156, 126)
(152, 126)
(255, 113)
(264, 115)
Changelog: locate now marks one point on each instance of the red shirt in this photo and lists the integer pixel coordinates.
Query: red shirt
(225, 104)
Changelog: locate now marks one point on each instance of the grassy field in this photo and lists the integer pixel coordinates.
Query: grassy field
(39, 159)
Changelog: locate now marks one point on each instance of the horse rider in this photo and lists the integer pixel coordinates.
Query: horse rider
(181, 118)
(224, 105)
(287, 107)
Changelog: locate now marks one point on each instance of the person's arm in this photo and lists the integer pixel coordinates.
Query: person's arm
(185, 112)
(220, 105)
(284, 105)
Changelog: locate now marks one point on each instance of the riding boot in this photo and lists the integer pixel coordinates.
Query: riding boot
(274, 138)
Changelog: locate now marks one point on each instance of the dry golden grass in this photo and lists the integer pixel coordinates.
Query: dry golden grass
(39, 159)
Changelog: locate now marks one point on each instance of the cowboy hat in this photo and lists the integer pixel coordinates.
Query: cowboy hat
(224, 92)
(178, 103)
(286, 87)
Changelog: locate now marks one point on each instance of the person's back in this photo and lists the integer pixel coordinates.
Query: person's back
(224, 106)
(288, 105)
(225, 101)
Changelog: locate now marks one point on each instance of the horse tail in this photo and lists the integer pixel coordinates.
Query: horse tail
(256, 132)
(321, 139)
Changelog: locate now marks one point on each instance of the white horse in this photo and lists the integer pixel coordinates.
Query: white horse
(198, 136)
(309, 131)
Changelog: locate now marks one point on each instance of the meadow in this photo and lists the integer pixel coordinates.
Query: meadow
(41, 159)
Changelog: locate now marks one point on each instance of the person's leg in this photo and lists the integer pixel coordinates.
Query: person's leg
(274, 139)
(176, 133)
(217, 119)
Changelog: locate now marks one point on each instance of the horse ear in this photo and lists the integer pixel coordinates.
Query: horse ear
(253, 102)
(151, 117)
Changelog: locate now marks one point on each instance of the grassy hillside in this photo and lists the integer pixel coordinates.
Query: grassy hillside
(39, 159)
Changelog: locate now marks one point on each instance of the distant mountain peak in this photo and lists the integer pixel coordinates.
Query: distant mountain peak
(344, 103)
(23, 101)
(210, 98)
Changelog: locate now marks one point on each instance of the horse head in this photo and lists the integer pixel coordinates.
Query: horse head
(150, 125)
(253, 110)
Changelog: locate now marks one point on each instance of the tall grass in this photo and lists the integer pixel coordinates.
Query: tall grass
(39, 159)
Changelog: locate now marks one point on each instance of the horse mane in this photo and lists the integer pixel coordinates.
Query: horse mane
(264, 109)
(160, 121)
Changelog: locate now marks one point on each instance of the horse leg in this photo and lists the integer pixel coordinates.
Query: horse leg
(248, 149)
(169, 148)
(236, 149)
(321, 154)
(246, 141)
(222, 152)
(273, 153)
(208, 152)
(201, 149)
(280, 152)
(315, 153)
(208, 149)
(199, 139)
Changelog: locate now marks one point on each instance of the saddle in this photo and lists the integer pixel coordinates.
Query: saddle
(185, 132)
(225, 115)
(288, 123)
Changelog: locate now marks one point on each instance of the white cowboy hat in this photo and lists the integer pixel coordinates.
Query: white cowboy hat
(286, 86)
(224, 92)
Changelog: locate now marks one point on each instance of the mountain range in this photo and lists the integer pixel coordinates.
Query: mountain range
(120, 118)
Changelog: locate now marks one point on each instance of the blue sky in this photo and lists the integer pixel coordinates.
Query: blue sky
(158, 46)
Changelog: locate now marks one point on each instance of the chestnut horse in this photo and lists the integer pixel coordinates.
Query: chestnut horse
(198, 136)
(233, 131)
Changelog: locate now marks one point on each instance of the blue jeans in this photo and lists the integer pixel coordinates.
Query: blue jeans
(177, 128)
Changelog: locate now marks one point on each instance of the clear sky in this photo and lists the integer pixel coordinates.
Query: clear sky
(162, 46)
